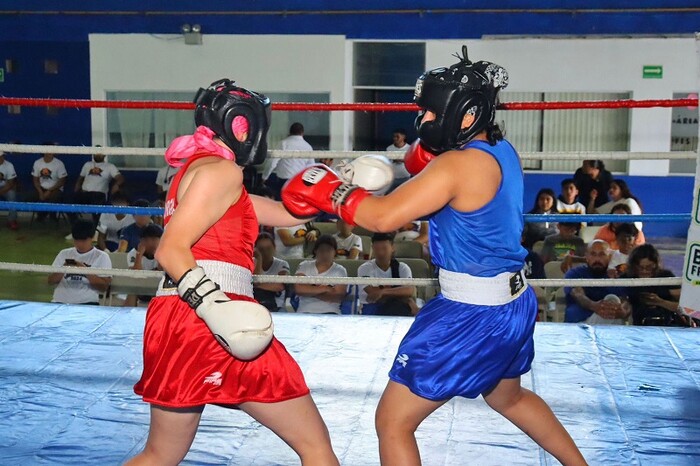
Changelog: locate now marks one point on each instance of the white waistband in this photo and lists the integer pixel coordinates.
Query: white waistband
(231, 278)
(482, 291)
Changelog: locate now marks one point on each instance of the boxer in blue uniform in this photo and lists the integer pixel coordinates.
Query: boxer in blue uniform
(476, 337)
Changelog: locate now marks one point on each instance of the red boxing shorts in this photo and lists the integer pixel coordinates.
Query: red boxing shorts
(184, 365)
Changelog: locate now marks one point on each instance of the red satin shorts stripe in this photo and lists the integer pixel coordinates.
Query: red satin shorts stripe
(184, 366)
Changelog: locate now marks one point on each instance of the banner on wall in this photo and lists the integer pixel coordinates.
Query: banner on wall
(690, 288)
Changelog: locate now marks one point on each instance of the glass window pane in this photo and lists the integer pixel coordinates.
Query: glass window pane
(388, 64)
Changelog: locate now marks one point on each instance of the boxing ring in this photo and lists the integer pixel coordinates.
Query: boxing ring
(627, 395)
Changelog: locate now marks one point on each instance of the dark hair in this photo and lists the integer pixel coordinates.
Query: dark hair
(141, 203)
(567, 181)
(619, 206)
(83, 229)
(548, 192)
(119, 197)
(494, 133)
(297, 129)
(383, 237)
(400, 131)
(327, 240)
(626, 229)
(595, 164)
(151, 231)
(625, 190)
(643, 251)
(264, 235)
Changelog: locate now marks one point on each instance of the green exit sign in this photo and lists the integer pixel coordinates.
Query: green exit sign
(653, 72)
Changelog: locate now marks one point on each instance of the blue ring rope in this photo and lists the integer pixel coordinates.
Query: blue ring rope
(98, 209)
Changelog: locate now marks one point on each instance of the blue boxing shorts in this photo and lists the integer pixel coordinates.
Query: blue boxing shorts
(458, 349)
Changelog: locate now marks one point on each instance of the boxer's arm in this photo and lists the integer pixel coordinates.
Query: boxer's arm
(204, 195)
(272, 213)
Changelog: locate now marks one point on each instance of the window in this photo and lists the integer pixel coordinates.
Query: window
(684, 134)
(14, 109)
(11, 65)
(388, 64)
(50, 66)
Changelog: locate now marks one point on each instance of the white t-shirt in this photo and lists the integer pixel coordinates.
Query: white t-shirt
(287, 168)
(146, 263)
(110, 226)
(76, 289)
(400, 171)
(98, 176)
(7, 173)
(631, 203)
(372, 270)
(346, 244)
(291, 252)
(278, 265)
(575, 208)
(617, 259)
(49, 172)
(165, 176)
(311, 305)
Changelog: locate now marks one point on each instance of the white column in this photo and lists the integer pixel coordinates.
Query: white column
(650, 131)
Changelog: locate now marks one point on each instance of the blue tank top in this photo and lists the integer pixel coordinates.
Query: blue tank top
(484, 242)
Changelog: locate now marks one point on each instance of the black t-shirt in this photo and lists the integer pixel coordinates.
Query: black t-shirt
(586, 184)
(534, 267)
(651, 315)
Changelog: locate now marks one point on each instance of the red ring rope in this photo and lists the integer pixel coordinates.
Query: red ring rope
(363, 107)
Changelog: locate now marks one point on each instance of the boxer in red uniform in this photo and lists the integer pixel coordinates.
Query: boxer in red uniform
(206, 340)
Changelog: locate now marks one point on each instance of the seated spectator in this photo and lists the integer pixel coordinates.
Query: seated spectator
(349, 244)
(49, 176)
(386, 300)
(567, 203)
(565, 243)
(625, 237)
(143, 258)
(130, 237)
(290, 241)
(8, 189)
(592, 181)
(398, 144)
(538, 231)
(408, 232)
(321, 299)
(158, 219)
(270, 295)
(620, 193)
(653, 305)
(110, 225)
(607, 231)
(534, 267)
(80, 289)
(97, 180)
(590, 304)
(163, 179)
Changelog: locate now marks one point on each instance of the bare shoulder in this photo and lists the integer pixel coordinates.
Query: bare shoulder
(212, 173)
(469, 162)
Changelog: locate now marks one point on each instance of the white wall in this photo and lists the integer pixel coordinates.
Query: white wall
(594, 65)
(265, 63)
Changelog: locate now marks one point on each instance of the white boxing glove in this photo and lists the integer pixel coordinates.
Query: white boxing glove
(243, 328)
(371, 172)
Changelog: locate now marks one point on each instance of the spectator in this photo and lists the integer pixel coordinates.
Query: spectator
(349, 244)
(280, 170)
(653, 305)
(97, 180)
(534, 267)
(589, 304)
(158, 218)
(398, 144)
(625, 236)
(592, 176)
(386, 300)
(110, 226)
(620, 193)
(290, 241)
(321, 299)
(143, 258)
(607, 232)
(538, 231)
(567, 203)
(8, 189)
(270, 295)
(80, 289)
(565, 243)
(49, 176)
(130, 237)
(163, 179)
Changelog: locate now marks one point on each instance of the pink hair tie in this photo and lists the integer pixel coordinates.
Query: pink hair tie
(202, 140)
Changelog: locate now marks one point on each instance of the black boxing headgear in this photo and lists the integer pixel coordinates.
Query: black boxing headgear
(218, 106)
(451, 93)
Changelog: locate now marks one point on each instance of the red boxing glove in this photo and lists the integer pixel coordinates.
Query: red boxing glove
(417, 157)
(319, 188)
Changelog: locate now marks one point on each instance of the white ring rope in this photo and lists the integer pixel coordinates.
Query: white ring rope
(281, 154)
(291, 279)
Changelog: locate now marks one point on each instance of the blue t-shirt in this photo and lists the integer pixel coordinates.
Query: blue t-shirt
(574, 311)
(132, 235)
